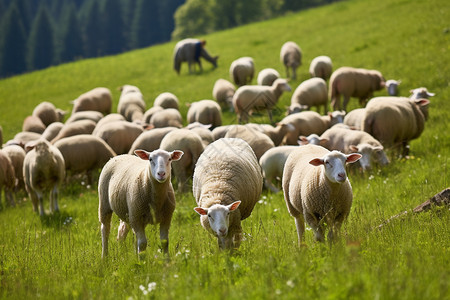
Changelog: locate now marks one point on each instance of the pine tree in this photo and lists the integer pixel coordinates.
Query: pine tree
(113, 27)
(41, 43)
(93, 31)
(24, 9)
(146, 27)
(71, 40)
(167, 19)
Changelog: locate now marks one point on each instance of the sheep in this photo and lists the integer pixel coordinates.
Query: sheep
(7, 178)
(276, 134)
(33, 124)
(106, 119)
(242, 70)
(352, 82)
(190, 51)
(256, 97)
(316, 189)
(420, 93)
(43, 171)
(227, 184)
(17, 155)
(258, 141)
(272, 164)
(203, 131)
(48, 113)
(98, 99)
(131, 103)
(395, 121)
(349, 141)
(150, 140)
(312, 139)
(321, 66)
(223, 92)
(24, 137)
(85, 115)
(138, 190)
(75, 128)
(150, 112)
(296, 108)
(169, 117)
(354, 118)
(192, 146)
(219, 132)
(291, 57)
(267, 76)
(84, 153)
(166, 100)
(311, 92)
(205, 112)
(119, 135)
(52, 130)
(392, 87)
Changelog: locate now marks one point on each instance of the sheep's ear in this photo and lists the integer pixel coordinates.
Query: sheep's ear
(378, 148)
(351, 158)
(234, 205)
(142, 154)
(201, 211)
(422, 102)
(353, 148)
(323, 142)
(302, 140)
(316, 162)
(176, 155)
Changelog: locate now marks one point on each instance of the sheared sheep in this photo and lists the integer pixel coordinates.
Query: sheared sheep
(166, 100)
(169, 117)
(420, 93)
(139, 191)
(242, 70)
(43, 171)
(321, 66)
(227, 184)
(131, 103)
(190, 51)
(207, 112)
(258, 141)
(119, 135)
(317, 190)
(272, 165)
(352, 82)
(267, 76)
(7, 178)
(291, 57)
(257, 97)
(48, 113)
(311, 92)
(223, 92)
(75, 128)
(150, 140)
(98, 99)
(392, 87)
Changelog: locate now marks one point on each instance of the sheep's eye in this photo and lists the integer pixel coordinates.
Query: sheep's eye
(209, 216)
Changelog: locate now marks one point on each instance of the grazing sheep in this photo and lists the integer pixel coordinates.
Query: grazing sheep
(48, 113)
(219, 132)
(317, 190)
(43, 171)
(150, 140)
(169, 117)
(354, 118)
(227, 184)
(272, 165)
(166, 100)
(291, 57)
(321, 66)
(352, 82)
(223, 92)
(192, 146)
(119, 135)
(312, 139)
(242, 70)
(107, 119)
(395, 121)
(52, 130)
(205, 112)
(131, 103)
(311, 92)
(258, 141)
(24, 137)
(257, 97)
(420, 93)
(98, 99)
(85, 115)
(150, 112)
(296, 108)
(75, 128)
(84, 153)
(17, 155)
(392, 87)
(33, 124)
(350, 141)
(139, 191)
(276, 134)
(267, 76)
(203, 131)
(190, 51)
(7, 178)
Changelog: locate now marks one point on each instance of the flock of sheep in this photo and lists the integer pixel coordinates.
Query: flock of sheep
(140, 149)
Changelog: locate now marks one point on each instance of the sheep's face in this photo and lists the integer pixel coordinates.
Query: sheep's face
(160, 162)
(218, 217)
(334, 165)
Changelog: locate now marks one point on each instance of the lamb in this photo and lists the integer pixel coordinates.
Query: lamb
(119, 135)
(349, 141)
(272, 164)
(354, 118)
(420, 93)
(43, 171)
(75, 128)
(223, 92)
(33, 124)
(311, 92)
(98, 99)
(150, 140)
(190, 51)
(166, 100)
(48, 113)
(258, 141)
(140, 193)
(242, 70)
(276, 134)
(192, 146)
(392, 87)
(52, 130)
(205, 112)
(321, 66)
(395, 121)
(316, 189)
(267, 76)
(84, 153)
(7, 178)
(256, 97)
(227, 184)
(131, 103)
(291, 57)
(169, 117)
(352, 82)
(17, 155)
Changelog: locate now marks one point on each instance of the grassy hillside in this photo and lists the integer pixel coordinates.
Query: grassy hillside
(59, 256)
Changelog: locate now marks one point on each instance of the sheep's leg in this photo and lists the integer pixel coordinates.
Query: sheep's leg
(287, 72)
(346, 100)
(237, 238)
(269, 112)
(139, 230)
(269, 185)
(105, 219)
(54, 199)
(34, 200)
(164, 237)
(40, 200)
(294, 73)
(122, 231)
(300, 225)
(336, 101)
(225, 242)
(9, 197)
(200, 65)
(316, 226)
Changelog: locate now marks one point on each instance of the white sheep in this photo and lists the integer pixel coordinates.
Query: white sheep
(258, 141)
(98, 99)
(33, 124)
(267, 76)
(227, 184)
(276, 134)
(43, 171)
(311, 92)
(354, 118)
(24, 137)
(75, 128)
(150, 140)
(312, 139)
(48, 113)
(169, 117)
(321, 66)
(291, 57)
(223, 92)
(131, 103)
(242, 70)
(207, 112)
(350, 141)
(420, 93)
(257, 97)
(392, 87)
(150, 112)
(107, 119)
(219, 132)
(119, 135)
(17, 155)
(166, 100)
(317, 190)
(203, 131)
(92, 115)
(138, 190)
(7, 179)
(52, 130)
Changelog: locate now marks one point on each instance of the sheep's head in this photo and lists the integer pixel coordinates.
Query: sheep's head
(218, 217)
(334, 164)
(369, 153)
(160, 162)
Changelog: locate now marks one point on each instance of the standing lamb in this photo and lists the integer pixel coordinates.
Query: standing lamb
(98, 99)
(43, 171)
(7, 179)
(227, 184)
(311, 92)
(242, 70)
(257, 97)
(267, 76)
(139, 191)
(131, 103)
(321, 66)
(395, 121)
(317, 190)
(207, 112)
(291, 57)
(48, 113)
(166, 100)
(223, 92)
(190, 51)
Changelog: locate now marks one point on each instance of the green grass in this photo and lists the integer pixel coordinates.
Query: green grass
(58, 257)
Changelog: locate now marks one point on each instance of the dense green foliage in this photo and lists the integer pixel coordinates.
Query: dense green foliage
(58, 257)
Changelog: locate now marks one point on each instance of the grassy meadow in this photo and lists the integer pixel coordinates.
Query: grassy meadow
(59, 256)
